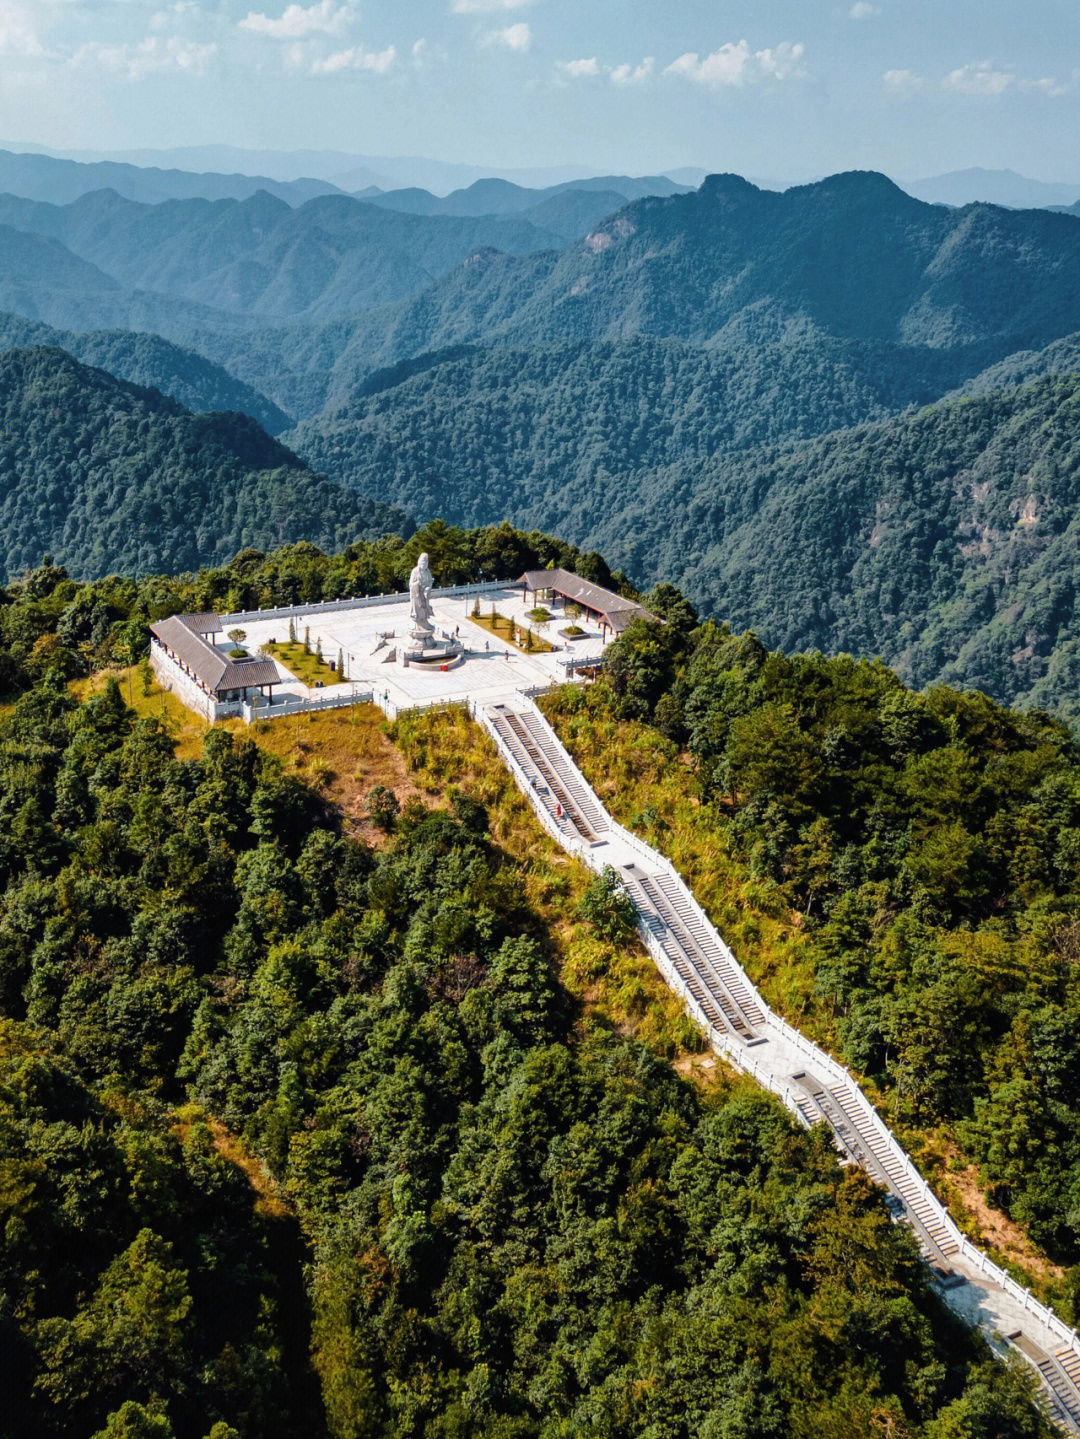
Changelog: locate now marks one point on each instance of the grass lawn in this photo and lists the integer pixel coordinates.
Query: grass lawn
(503, 628)
(303, 664)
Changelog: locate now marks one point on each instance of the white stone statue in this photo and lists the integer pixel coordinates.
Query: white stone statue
(420, 612)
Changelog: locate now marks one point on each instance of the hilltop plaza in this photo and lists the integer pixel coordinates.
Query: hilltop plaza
(373, 646)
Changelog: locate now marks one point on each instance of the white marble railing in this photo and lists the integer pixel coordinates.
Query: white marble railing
(363, 602)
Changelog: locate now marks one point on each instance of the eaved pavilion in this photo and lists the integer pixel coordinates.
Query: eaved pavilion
(611, 612)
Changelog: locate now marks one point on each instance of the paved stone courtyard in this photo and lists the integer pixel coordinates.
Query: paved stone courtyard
(367, 634)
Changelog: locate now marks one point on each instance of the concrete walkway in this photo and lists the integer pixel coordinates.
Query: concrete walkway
(742, 1028)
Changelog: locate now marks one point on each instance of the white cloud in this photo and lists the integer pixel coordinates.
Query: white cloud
(726, 66)
(18, 35)
(632, 75)
(514, 37)
(1046, 85)
(733, 65)
(162, 19)
(978, 79)
(902, 82)
(486, 7)
(580, 69)
(295, 22)
(418, 51)
(146, 57)
(862, 10)
(784, 62)
(376, 62)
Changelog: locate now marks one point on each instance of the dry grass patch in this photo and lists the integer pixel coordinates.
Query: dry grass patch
(269, 1199)
(344, 754)
(616, 984)
(187, 729)
(961, 1187)
(649, 787)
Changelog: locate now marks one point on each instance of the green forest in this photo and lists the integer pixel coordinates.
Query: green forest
(303, 1134)
(105, 476)
(927, 846)
(943, 540)
(152, 363)
(535, 435)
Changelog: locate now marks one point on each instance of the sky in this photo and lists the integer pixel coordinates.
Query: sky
(780, 91)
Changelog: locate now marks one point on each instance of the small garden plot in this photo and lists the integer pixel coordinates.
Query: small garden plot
(508, 632)
(304, 664)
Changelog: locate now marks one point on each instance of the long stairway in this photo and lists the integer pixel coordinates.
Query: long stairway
(717, 992)
(571, 799)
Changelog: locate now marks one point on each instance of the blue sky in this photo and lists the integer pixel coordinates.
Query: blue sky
(779, 90)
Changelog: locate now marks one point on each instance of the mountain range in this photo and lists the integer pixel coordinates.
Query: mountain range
(57, 181)
(150, 362)
(992, 187)
(304, 302)
(346, 171)
(696, 375)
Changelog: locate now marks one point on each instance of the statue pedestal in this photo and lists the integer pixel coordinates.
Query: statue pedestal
(424, 647)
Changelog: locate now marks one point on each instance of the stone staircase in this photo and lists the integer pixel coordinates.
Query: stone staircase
(570, 800)
(696, 958)
(698, 965)
(1060, 1373)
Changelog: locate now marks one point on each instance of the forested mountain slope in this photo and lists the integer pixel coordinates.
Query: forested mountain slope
(899, 871)
(264, 259)
(104, 476)
(149, 361)
(477, 1210)
(479, 433)
(853, 255)
(303, 304)
(946, 541)
(494, 196)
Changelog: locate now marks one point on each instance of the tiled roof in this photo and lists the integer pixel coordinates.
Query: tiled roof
(617, 611)
(208, 624)
(213, 669)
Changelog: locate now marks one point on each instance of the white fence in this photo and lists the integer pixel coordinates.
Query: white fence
(289, 704)
(360, 602)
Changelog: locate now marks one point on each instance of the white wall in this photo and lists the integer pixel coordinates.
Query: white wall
(171, 677)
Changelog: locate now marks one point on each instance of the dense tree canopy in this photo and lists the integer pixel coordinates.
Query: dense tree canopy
(931, 845)
(944, 540)
(104, 476)
(516, 1224)
(151, 362)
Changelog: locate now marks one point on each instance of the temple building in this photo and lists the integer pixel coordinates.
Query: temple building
(205, 675)
(611, 612)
